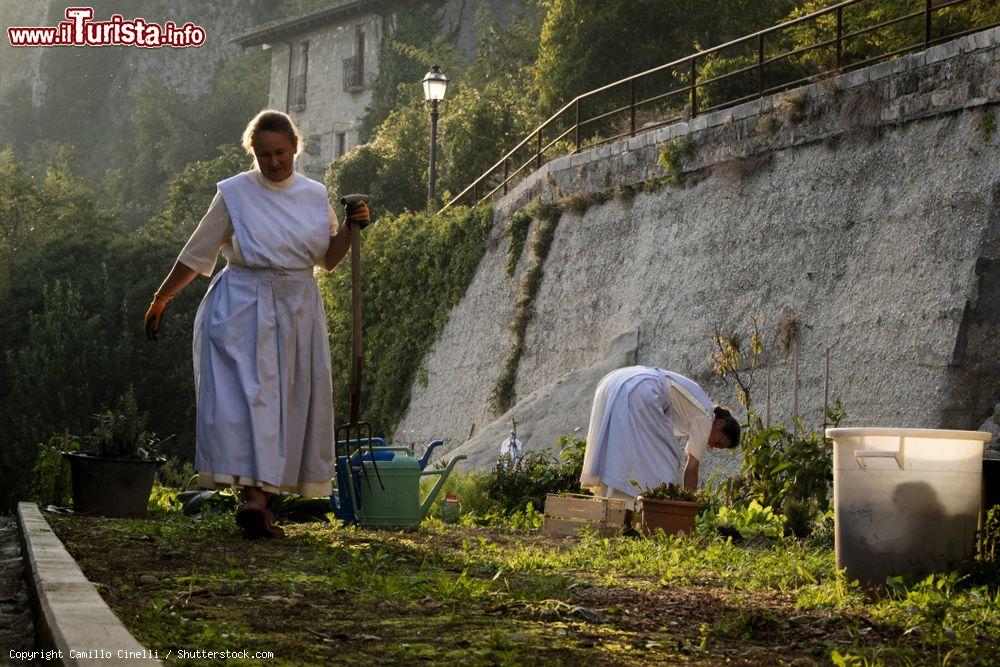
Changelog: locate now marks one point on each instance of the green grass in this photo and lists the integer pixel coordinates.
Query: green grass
(451, 593)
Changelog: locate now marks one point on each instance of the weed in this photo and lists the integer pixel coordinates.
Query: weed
(581, 202)
(987, 125)
(743, 166)
(626, 193)
(768, 123)
(517, 232)
(673, 155)
(795, 104)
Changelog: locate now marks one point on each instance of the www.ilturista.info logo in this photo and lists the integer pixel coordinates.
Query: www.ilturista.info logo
(79, 30)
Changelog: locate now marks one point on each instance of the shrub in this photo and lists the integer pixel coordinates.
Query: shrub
(50, 474)
(989, 537)
(534, 476)
(783, 464)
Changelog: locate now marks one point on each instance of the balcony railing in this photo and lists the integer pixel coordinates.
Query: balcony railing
(354, 74)
(745, 69)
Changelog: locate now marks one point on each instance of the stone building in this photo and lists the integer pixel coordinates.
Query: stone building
(323, 63)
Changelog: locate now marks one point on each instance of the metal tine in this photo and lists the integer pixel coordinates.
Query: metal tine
(371, 452)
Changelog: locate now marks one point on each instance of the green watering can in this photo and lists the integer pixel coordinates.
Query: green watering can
(397, 505)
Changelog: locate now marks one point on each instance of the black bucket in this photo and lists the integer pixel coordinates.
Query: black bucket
(111, 487)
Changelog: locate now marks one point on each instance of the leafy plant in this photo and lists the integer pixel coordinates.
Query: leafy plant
(50, 476)
(535, 475)
(751, 520)
(667, 491)
(738, 359)
(782, 463)
(121, 433)
(989, 537)
(673, 155)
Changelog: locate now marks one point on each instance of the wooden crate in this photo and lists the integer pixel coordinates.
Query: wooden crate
(566, 514)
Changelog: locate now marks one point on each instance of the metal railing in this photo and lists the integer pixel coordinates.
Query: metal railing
(759, 67)
(354, 73)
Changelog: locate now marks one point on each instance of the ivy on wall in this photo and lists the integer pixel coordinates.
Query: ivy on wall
(547, 214)
(415, 268)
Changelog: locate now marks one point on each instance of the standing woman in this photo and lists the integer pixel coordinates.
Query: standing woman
(261, 353)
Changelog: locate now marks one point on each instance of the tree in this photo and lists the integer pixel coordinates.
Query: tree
(585, 45)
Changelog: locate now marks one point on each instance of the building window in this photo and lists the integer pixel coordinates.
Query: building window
(341, 146)
(354, 66)
(298, 67)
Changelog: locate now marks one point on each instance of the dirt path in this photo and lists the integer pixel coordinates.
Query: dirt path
(362, 598)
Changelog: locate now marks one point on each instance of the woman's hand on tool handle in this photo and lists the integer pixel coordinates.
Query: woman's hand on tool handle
(339, 245)
(358, 214)
(178, 278)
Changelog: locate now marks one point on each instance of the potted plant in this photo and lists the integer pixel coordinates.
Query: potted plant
(113, 473)
(669, 507)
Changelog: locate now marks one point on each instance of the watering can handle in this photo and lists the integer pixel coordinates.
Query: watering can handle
(427, 453)
(429, 500)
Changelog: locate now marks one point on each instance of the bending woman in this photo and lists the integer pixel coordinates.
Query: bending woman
(261, 353)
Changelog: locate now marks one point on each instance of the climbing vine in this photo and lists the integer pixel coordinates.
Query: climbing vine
(547, 214)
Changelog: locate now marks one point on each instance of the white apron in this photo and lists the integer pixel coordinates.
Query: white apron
(633, 430)
(261, 353)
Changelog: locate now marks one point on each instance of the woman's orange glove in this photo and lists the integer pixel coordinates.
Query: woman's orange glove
(358, 214)
(154, 316)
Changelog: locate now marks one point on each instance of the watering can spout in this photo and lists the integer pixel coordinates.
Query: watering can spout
(437, 487)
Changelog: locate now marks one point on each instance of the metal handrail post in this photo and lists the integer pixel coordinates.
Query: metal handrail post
(538, 152)
(694, 90)
(577, 150)
(631, 106)
(840, 38)
(760, 64)
(506, 177)
(928, 6)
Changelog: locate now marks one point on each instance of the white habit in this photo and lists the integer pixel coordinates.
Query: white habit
(261, 354)
(638, 414)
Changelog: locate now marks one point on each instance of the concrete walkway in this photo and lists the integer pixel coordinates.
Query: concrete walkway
(17, 632)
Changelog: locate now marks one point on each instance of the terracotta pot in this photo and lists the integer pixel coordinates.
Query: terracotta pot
(675, 517)
(111, 487)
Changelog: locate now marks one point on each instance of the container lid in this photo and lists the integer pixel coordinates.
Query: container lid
(983, 436)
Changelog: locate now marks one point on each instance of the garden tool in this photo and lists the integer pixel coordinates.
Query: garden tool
(356, 432)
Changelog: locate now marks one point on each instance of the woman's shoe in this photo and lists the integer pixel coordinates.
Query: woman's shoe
(256, 521)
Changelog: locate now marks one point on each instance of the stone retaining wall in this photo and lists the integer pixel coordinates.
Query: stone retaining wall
(861, 211)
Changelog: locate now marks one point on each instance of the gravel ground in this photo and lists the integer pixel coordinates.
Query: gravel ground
(17, 631)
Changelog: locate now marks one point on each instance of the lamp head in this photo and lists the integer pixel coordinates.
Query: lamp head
(435, 84)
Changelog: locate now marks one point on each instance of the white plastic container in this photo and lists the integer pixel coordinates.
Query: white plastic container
(904, 499)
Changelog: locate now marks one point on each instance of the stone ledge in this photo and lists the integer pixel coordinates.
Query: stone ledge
(70, 614)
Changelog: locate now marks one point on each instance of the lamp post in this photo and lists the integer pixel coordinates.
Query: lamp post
(435, 85)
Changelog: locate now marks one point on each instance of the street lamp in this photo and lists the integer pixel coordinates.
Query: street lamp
(435, 85)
